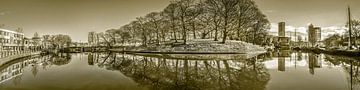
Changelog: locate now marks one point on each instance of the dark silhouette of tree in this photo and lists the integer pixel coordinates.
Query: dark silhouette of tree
(205, 19)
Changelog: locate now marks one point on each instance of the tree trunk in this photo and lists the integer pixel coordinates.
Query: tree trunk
(238, 30)
(216, 34)
(216, 28)
(173, 28)
(144, 37)
(203, 35)
(157, 37)
(193, 29)
(225, 30)
(184, 29)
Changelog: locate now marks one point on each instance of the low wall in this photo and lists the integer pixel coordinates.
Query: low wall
(14, 57)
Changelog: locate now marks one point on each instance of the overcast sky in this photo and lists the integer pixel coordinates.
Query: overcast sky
(331, 15)
(73, 17)
(78, 17)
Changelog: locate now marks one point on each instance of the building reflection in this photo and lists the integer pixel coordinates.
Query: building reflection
(250, 74)
(163, 73)
(14, 70)
(292, 59)
(281, 64)
(11, 70)
(350, 66)
(282, 56)
(315, 61)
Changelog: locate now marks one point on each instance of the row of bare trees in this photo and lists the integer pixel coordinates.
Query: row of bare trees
(56, 41)
(182, 20)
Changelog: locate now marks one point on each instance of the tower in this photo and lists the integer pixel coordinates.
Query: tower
(312, 35)
(281, 30)
(318, 33)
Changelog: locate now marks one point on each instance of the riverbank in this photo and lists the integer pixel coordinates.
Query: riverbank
(14, 57)
(348, 53)
(199, 49)
(199, 46)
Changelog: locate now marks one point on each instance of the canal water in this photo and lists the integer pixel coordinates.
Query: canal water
(114, 71)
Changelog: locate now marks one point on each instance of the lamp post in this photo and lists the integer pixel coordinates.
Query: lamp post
(350, 29)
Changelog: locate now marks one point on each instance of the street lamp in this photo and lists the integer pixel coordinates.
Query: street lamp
(350, 29)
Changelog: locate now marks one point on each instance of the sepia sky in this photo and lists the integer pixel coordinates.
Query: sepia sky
(331, 15)
(73, 17)
(77, 17)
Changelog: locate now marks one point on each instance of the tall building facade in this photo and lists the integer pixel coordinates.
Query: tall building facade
(318, 32)
(314, 35)
(11, 40)
(281, 41)
(281, 31)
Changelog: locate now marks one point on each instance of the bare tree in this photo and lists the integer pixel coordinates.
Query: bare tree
(155, 19)
(184, 10)
(229, 19)
(227, 12)
(243, 16)
(169, 14)
(355, 26)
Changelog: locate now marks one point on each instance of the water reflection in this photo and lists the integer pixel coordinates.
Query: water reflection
(161, 73)
(101, 71)
(351, 67)
(15, 69)
(323, 70)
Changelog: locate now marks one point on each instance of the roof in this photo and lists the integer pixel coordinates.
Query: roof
(5, 30)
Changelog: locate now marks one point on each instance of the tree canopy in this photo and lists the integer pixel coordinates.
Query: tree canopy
(182, 20)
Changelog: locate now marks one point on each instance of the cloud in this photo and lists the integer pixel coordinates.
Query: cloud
(271, 11)
(274, 28)
(2, 13)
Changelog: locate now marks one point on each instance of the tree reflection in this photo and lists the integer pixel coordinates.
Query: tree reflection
(61, 59)
(34, 69)
(351, 66)
(161, 73)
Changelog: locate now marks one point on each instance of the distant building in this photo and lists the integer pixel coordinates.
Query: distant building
(281, 41)
(318, 31)
(281, 31)
(11, 40)
(314, 35)
(28, 43)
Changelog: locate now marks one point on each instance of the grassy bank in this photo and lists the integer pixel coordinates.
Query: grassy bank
(201, 46)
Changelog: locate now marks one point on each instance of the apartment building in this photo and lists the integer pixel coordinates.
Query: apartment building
(11, 40)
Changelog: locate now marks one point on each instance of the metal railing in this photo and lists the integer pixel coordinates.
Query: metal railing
(9, 53)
